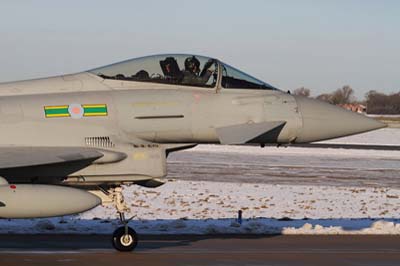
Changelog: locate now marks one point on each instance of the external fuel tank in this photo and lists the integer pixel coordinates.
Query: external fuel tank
(36, 201)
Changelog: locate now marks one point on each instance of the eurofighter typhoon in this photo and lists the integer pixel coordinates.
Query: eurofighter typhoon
(69, 143)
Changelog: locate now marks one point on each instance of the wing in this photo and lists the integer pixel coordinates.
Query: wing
(142, 165)
(31, 162)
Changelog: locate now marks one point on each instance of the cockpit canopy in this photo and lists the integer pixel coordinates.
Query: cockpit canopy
(180, 69)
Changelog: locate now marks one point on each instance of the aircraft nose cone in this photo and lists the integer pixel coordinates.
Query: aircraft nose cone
(326, 121)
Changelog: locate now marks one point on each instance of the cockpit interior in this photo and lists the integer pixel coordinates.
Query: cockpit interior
(181, 69)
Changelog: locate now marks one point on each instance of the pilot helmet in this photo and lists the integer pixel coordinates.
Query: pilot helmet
(192, 64)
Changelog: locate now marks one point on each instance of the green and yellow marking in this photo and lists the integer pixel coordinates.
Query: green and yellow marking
(65, 110)
(95, 110)
(57, 111)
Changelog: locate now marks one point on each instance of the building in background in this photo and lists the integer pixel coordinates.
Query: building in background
(355, 107)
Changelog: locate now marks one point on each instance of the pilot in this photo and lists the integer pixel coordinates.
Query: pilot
(192, 75)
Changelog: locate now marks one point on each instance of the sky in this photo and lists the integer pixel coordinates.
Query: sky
(322, 45)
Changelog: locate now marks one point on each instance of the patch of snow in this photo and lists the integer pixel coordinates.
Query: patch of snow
(384, 136)
(288, 165)
(279, 190)
(187, 207)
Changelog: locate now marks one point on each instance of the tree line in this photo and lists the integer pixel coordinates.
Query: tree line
(375, 102)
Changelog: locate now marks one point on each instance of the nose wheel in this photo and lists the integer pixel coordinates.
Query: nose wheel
(124, 239)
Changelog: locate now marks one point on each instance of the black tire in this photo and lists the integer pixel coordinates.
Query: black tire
(127, 244)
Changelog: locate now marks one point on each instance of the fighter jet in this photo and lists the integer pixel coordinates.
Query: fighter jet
(69, 143)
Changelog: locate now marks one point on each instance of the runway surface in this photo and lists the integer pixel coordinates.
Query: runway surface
(301, 166)
(201, 250)
(346, 146)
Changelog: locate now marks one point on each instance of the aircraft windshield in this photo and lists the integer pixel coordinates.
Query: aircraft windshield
(185, 70)
(233, 78)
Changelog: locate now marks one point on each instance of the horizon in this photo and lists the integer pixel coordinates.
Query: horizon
(322, 46)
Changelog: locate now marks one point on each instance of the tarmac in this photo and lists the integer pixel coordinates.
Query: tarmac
(17, 250)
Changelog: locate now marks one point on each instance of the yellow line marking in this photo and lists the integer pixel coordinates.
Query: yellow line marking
(95, 114)
(56, 107)
(58, 115)
(94, 105)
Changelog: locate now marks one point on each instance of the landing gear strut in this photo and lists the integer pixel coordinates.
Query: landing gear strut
(124, 238)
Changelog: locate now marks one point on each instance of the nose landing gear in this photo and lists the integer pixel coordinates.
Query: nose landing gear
(124, 237)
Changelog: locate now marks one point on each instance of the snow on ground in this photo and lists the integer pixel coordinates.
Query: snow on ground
(188, 207)
(280, 190)
(293, 165)
(384, 136)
